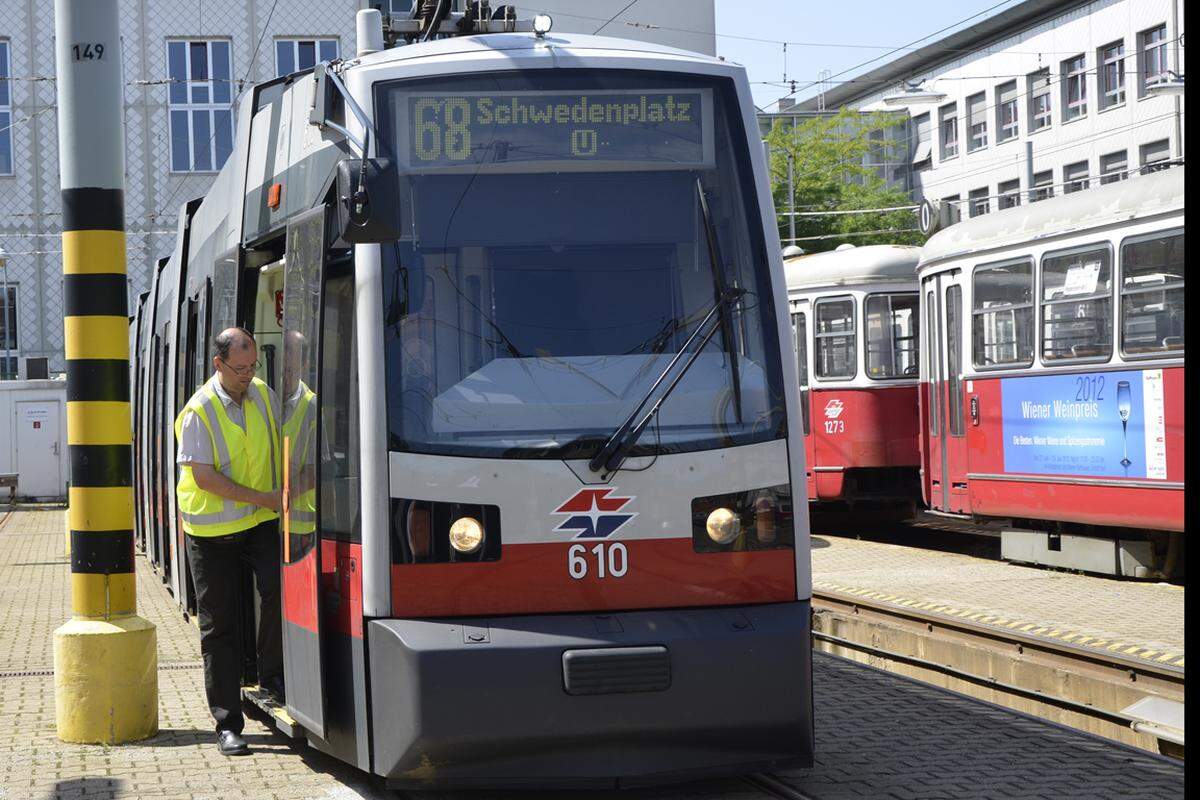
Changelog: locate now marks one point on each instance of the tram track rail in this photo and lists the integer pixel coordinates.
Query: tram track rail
(1038, 669)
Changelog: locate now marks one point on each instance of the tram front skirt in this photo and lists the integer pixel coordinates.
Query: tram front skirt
(591, 701)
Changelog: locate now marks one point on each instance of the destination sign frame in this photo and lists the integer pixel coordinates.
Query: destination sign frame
(406, 123)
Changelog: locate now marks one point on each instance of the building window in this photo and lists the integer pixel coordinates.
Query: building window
(1040, 100)
(1008, 194)
(834, 338)
(8, 318)
(1113, 167)
(1075, 177)
(201, 97)
(6, 149)
(977, 121)
(1074, 79)
(1008, 124)
(8, 332)
(978, 202)
(1152, 294)
(1112, 75)
(1043, 185)
(297, 55)
(948, 125)
(1154, 156)
(1153, 45)
(891, 334)
(923, 149)
(1002, 318)
(1077, 305)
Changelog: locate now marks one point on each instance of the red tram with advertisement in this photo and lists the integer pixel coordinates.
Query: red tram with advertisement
(855, 321)
(1052, 376)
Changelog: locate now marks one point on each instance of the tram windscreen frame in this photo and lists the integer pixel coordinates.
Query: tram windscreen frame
(529, 305)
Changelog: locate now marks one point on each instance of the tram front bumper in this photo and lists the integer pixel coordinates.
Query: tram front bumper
(534, 702)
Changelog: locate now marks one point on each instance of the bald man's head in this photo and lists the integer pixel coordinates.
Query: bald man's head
(236, 360)
(233, 340)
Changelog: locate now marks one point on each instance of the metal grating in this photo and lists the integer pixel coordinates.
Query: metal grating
(617, 670)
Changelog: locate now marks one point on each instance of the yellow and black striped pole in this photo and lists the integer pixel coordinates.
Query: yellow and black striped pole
(105, 657)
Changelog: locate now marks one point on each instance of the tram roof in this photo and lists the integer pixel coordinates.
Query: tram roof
(511, 42)
(1140, 197)
(874, 263)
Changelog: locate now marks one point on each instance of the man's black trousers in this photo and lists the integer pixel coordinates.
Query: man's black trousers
(216, 564)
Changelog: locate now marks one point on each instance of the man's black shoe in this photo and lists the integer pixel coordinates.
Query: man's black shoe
(232, 744)
(274, 687)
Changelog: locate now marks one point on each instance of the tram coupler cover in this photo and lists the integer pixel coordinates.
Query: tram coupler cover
(725, 698)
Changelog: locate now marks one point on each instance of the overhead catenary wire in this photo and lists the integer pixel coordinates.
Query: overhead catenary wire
(878, 232)
(1052, 80)
(893, 51)
(837, 212)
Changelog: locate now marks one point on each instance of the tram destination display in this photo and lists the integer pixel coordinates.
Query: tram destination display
(653, 129)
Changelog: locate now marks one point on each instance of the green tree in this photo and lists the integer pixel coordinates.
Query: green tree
(830, 173)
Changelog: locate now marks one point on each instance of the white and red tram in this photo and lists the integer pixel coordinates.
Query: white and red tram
(545, 535)
(1052, 376)
(855, 322)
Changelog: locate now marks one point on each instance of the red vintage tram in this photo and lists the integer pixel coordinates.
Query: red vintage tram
(854, 322)
(1052, 399)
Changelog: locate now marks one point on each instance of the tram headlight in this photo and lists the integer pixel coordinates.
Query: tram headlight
(723, 526)
(749, 519)
(466, 535)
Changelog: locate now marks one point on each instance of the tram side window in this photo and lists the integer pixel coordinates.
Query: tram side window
(339, 410)
(1002, 315)
(891, 335)
(1152, 294)
(954, 357)
(835, 338)
(800, 338)
(931, 350)
(1077, 305)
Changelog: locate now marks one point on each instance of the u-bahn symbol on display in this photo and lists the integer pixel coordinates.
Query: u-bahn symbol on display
(594, 513)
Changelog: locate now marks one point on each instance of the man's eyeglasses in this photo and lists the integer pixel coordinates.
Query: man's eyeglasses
(243, 371)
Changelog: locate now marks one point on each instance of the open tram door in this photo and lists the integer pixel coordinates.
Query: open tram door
(298, 421)
(946, 459)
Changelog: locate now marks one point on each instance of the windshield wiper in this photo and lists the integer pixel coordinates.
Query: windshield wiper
(613, 453)
(720, 290)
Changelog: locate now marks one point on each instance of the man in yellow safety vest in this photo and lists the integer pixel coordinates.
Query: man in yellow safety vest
(229, 497)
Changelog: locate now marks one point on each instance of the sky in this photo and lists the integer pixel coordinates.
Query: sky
(829, 34)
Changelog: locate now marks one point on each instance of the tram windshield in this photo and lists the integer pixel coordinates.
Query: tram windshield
(554, 260)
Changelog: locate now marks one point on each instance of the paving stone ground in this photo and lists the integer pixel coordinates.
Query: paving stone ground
(878, 735)
(1149, 616)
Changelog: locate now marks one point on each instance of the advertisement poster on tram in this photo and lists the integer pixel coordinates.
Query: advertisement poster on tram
(1101, 424)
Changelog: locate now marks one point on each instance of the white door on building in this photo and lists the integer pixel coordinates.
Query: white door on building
(39, 451)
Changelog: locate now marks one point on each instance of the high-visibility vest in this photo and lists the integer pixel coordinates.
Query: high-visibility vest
(300, 434)
(247, 457)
